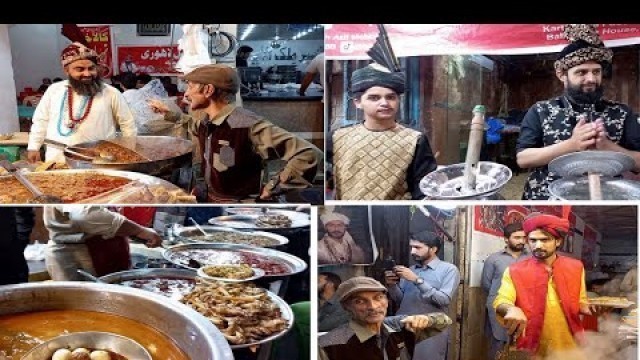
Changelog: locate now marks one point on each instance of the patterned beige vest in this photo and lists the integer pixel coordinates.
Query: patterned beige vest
(372, 165)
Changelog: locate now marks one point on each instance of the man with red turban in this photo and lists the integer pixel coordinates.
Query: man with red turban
(541, 298)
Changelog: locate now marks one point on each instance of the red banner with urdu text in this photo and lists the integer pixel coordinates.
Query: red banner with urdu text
(99, 39)
(352, 41)
(154, 60)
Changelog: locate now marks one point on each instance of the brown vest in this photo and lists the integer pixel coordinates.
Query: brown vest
(231, 167)
(399, 346)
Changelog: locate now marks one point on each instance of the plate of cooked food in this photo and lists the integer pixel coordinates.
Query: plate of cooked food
(611, 301)
(230, 273)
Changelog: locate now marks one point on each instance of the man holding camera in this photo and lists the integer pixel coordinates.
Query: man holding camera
(429, 286)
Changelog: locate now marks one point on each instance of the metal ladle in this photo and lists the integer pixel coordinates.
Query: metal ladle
(38, 196)
(103, 156)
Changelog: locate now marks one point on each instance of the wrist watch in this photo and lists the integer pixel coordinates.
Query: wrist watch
(419, 281)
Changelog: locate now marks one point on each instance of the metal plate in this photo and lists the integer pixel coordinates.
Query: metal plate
(248, 221)
(90, 340)
(154, 148)
(606, 163)
(578, 189)
(183, 234)
(257, 274)
(157, 273)
(446, 183)
(255, 210)
(138, 177)
(294, 263)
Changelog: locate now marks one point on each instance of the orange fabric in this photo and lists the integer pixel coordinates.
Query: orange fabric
(556, 226)
(531, 278)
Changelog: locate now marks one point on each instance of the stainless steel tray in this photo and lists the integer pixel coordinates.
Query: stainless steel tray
(578, 189)
(138, 177)
(606, 163)
(183, 234)
(446, 183)
(158, 273)
(248, 221)
(295, 264)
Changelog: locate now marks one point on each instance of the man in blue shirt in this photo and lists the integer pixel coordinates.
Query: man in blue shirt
(429, 286)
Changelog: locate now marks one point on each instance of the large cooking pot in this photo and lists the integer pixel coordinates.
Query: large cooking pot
(192, 332)
(165, 153)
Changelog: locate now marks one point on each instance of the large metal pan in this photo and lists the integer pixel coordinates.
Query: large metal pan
(177, 321)
(191, 234)
(165, 153)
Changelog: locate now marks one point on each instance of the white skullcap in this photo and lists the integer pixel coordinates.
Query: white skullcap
(333, 216)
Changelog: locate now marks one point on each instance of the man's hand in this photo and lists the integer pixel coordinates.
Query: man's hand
(515, 321)
(416, 322)
(405, 273)
(33, 156)
(602, 137)
(390, 278)
(584, 135)
(152, 237)
(595, 310)
(158, 106)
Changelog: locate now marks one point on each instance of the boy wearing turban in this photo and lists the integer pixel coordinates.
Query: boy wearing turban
(379, 159)
(580, 118)
(81, 109)
(541, 298)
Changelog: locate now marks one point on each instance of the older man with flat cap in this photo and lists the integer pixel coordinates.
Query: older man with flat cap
(235, 142)
(580, 119)
(379, 159)
(81, 109)
(370, 334)
(337, 246)
(541, 298)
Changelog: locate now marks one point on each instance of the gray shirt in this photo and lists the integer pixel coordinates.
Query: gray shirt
(331, 314)
(441, 281)
(494, 267)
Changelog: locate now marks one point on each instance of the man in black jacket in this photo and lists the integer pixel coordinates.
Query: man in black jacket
(16, 224)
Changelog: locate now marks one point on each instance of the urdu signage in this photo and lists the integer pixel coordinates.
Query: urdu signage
(153, 29)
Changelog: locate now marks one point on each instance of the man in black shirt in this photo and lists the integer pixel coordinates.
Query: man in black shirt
(580, 119)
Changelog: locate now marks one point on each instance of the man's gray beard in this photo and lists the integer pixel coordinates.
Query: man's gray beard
(86, 89)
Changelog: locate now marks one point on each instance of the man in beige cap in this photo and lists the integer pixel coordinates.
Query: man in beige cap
(337, 246)
(81, 109)
(370, 334)
(235, 142)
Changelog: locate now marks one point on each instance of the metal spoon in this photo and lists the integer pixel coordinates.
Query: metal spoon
(38, 196)
(207, 235)
(89, 276)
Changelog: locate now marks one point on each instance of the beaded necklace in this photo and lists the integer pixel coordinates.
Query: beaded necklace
(85, 108)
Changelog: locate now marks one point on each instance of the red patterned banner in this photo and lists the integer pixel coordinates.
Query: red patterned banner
(351, 41)
(491, 219)
(154, 60)
(99, 39)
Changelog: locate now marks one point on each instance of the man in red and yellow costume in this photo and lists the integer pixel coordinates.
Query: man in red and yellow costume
(541, 299)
